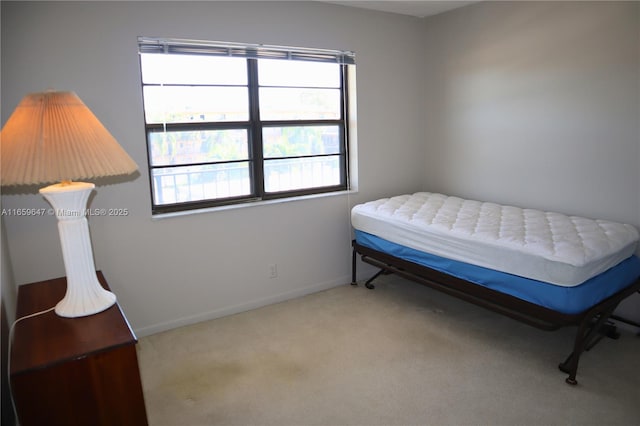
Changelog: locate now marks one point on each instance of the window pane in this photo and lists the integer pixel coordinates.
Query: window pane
(273, 72)
(185, 104)
(197, 146)
(196, 183)
(192, 69)
(300, 140)
(301, 173)
(299, 104)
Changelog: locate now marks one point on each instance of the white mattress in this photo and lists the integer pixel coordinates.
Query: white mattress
(544, 246)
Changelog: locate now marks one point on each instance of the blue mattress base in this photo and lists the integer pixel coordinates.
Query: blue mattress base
(567, 300)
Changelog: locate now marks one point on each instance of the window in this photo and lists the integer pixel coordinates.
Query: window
(233, 123)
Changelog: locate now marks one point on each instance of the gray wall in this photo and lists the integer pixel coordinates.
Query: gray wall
(175, 271)
(8, 290)
(537, 103)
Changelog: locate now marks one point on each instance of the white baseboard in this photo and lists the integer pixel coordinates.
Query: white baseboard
(242, 307)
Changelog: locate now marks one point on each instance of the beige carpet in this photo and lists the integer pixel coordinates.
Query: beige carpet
(401, 354)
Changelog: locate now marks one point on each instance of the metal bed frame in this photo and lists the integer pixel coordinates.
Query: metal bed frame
(592, 323)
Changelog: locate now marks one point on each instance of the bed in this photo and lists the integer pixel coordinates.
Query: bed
(546, 269)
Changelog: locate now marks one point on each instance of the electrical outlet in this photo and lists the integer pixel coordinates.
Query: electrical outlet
(273, 270)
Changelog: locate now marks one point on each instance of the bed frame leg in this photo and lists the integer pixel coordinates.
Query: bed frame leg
(376, 275)
(354, 262)
(354, 258)
(586, 337)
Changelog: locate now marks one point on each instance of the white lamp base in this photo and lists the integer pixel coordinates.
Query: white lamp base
(85, 295)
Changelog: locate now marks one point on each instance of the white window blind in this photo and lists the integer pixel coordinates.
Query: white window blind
(260, 51)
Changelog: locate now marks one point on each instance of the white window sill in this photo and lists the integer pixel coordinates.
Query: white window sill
(251, 204)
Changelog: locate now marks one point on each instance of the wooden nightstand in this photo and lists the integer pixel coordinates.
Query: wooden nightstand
(73, 371)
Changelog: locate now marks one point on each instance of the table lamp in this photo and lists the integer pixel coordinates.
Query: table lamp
(53, 137)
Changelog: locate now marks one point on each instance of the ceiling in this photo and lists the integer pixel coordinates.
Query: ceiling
(419, 8)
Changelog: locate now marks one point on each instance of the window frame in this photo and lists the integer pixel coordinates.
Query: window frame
(254, 127)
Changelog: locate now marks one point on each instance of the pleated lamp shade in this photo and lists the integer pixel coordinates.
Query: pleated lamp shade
(53, 137)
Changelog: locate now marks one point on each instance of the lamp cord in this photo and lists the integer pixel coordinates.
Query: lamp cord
(11, 330)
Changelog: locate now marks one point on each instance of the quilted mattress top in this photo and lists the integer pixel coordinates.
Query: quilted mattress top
(544, 246)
